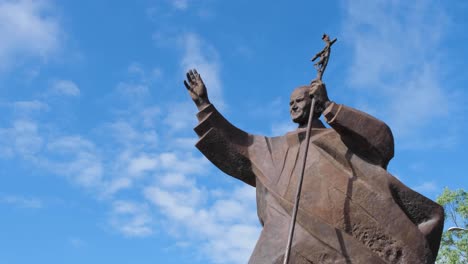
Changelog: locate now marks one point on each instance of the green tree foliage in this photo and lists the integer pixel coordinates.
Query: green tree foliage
(454, 245)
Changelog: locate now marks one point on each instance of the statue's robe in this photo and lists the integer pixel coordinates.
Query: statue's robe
(351, 209)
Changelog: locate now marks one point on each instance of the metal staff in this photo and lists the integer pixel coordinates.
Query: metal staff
(299, 186)
(320, 66)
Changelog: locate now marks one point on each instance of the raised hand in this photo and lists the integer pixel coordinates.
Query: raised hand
(319, 92)
(196, 89)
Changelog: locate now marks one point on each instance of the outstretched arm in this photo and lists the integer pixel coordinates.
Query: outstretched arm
(223, 144)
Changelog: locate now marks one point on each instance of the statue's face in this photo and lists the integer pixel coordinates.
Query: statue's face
(299, 106)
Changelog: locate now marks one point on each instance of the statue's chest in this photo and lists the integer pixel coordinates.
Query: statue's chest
(325, 183)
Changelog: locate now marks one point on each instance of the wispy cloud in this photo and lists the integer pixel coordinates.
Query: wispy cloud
(201, 55)
(29, 28)
(22, 138)
(226, 230)
(65, 87)
(182, 116)
(133, 90)
(128, 135)
(131, 218)
(186, 163)
(180, 4)
(141, 164)
(397, 49)
(147, 153)
(77, 159)
(21, 201)
(144, 76)
(30, 106)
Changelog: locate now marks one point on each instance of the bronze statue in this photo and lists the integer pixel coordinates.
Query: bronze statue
(351, 209)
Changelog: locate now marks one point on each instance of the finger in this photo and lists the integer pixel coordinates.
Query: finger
(187, 85)
(197, 75)
(192, 75)
(189, 78)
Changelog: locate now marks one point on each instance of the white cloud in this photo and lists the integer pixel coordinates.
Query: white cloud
(131, 137)
(171, 180)
(183, 163)
(200, 55)
(71, 156)
(26, 138)
(171, 203)
(227, 229)
(21, 201)
(179, 4)
(144, 76)
(65, 87)
(131, 219)
(233, 246)
(142, 163)
(28, 28)
(114, 185)
(77, 159)
(397, 50)
(133, 90)
(22, 138)
(30, 106)
(391, 37)
(71, 144)
(182, 116)
(143, 152)
(135, 68)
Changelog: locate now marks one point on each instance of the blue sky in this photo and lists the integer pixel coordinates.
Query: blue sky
(97, 163)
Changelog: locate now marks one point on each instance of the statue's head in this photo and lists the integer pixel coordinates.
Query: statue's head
(300, 102)
(299, 105)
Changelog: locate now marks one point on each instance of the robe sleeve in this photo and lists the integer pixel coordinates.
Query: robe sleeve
(368, 137)
(225, 145)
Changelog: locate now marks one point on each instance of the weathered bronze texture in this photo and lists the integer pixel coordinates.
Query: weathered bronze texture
(352, 210)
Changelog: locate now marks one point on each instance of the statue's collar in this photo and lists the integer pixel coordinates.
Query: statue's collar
(297, 136)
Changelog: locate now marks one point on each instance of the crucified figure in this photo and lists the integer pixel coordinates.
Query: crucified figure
(324, 56)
